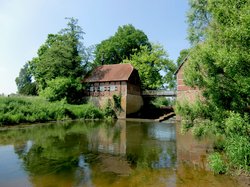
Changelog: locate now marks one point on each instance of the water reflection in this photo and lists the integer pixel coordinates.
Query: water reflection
(93, 154)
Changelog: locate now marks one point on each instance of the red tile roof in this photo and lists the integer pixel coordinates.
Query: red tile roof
(113, 72)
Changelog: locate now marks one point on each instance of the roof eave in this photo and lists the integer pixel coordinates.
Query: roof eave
(184, 60)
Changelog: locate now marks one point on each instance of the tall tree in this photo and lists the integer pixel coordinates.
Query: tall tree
(24, 83)
(222, 60)
(120, 46)
(63, 55)
(60, 56)
(154, 67)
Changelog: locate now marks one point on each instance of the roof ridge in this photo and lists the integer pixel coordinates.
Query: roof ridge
(109, 72)
(117, 64)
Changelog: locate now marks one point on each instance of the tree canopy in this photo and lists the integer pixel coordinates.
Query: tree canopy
(154, 67)
(59, 56)
(24, 83)
(198, 18)
(130, 45)
(120, 46)
(183, 54)
(222, 60)
(62, 56)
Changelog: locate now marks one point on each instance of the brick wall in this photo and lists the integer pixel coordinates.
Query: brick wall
(106, 88)
(131, 100)
(185, 92)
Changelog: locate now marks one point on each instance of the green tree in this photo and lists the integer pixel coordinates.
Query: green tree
(154, 67)
(198, 18)
(120, 46)
(24, 83)
(63, 87)
(183, 54)
(61, 56)
(220, 67)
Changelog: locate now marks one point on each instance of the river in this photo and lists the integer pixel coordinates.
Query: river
(99, 154)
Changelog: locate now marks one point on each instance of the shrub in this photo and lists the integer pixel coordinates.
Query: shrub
(237, 124)
(15, 110)
(238, 152)
(63, 88)
(109, 109)
(216, 163)
(219, 143)
(87, 111)
(199, 131)
(117, 102)
(159, 102)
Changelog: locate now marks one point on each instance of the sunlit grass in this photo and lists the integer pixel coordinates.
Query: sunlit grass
(14, 110)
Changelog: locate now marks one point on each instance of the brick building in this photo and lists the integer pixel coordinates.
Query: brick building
(185, 92)
(117, 79)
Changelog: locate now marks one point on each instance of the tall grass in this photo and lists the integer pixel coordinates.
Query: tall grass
(15, 110)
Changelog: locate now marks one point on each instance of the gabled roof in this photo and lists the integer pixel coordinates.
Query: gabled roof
(183, 61)
(113, 72)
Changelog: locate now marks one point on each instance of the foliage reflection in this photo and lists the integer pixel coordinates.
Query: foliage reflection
(78, 152)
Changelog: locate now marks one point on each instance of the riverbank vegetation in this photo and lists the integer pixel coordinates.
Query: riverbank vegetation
(14, 110)
(219, 65)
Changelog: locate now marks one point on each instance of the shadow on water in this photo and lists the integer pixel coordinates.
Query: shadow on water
(123, 153)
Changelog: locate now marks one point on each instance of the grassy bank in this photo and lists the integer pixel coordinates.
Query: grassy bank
(14, 110)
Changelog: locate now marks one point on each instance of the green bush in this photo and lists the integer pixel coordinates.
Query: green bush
(63, 88)
(238, 152)
(219, 143)
(109, 109)
(216, 163)
(87, 111)
(15, 110)
(159, 102)
(237, 124)
(199, 131)
(117, 102)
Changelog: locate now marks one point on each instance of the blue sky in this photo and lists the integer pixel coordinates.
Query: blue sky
(25, 25)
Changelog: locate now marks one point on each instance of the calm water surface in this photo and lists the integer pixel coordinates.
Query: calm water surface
(100, 154)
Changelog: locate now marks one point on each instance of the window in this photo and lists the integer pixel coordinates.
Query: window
(102, 89)
(113, 88)
(107, 88)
